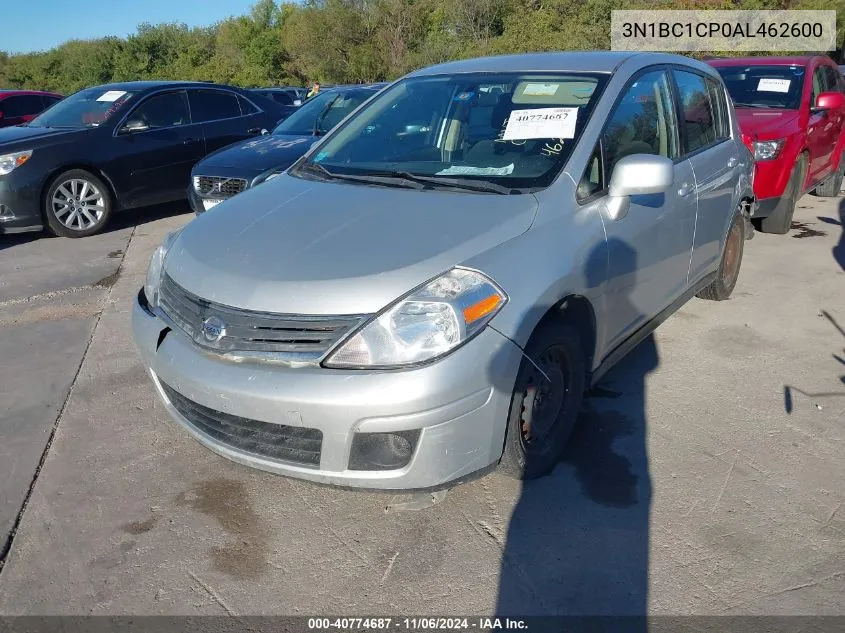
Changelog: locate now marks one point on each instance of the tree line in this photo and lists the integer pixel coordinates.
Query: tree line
(342, 41)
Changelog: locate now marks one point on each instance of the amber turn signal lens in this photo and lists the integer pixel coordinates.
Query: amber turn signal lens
(20, 160)
(481, 308)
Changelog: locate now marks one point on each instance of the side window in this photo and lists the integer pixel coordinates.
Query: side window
(49, 102)
(832, 80)
(281, 97)
(247, 107)
(212, 105)
(163, 110)
(22, 105)
(643, 121)
(818, 85)
(699, 124)
(720, 109)
(592, 181)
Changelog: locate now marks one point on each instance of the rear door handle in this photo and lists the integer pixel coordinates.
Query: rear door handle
(685, 190)
(733, 161)
(188, 141)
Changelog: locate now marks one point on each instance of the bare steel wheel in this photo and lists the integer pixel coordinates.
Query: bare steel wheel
(77, 204)
(723, 285)
(546, 399)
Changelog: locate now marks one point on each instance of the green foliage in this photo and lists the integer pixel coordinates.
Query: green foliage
(340, 41)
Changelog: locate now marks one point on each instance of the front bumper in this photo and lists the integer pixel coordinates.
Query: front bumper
(20, 209)
(459, 405)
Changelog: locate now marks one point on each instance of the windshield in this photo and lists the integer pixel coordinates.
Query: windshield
(87, 108)
(764, 86)
(322, 112)
(515, 130)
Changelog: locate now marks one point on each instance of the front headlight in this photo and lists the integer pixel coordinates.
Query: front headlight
(768, 150)
(10, 162)
(431, 321)
(156, 268)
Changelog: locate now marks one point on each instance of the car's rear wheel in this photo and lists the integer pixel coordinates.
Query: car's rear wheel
(77, 204)
(723, 285)
(780, 221)
(545, 402)
(833, 186)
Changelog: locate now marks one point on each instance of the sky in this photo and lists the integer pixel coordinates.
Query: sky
(35, 25)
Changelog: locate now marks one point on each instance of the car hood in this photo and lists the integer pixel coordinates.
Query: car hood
(24, 136)
(771, 123)
(293, 246)
(257, 154)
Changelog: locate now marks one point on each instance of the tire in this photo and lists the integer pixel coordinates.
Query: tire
(536, 403)
(780, 221)
(831, 188)
(77, 204)
(722, 287)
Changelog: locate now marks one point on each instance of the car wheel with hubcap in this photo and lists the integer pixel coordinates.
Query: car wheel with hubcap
(77, 204)
(546, 400)
(780, 221)
(723, 285)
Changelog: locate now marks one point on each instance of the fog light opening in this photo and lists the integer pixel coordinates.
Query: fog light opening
(383, 451)
(6, 213)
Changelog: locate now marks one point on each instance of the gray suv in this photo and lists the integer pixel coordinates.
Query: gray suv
(430, 289)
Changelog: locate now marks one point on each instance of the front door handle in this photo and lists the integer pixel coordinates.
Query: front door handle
(685, 190)
(188, 141)
(254, 130)
(732, 162)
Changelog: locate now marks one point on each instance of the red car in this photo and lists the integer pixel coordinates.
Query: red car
(20, 106)
(791, 112)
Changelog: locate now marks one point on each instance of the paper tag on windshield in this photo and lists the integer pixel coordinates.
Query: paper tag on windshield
(541, 123)
(467, 170)
(111, 95)
(539, 90)
(773, 85)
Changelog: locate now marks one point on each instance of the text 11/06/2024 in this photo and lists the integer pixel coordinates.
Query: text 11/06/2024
(432, 623)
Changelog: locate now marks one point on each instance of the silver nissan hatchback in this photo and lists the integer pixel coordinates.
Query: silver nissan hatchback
(428, 291)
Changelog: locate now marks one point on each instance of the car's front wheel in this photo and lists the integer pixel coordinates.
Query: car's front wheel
(77, 204)
(781, 220)
(546, 400)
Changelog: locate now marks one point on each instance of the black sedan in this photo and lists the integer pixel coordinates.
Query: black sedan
(118, 146)
(249, 163)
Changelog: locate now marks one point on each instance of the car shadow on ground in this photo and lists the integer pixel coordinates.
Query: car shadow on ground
(578, 539)
(119, 221)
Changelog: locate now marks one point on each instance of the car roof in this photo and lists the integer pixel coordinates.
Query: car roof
(795, 60)
(149, 85)
(586, 61)
(6, 92)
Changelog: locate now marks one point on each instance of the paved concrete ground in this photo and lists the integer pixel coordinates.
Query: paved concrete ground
(705, 477)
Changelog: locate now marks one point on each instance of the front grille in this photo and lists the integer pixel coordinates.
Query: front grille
(292, 444)
(218, 187)
(259, 334)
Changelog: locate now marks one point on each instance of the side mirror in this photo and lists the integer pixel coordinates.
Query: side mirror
(134, 125)
(830, 101)
(638, 174)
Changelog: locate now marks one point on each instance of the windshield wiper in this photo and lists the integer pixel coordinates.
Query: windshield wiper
(755, 105)
(372, 179)
(458, 183)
